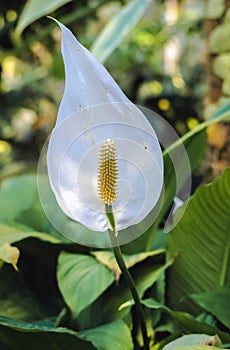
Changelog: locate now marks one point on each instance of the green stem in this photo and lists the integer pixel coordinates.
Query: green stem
(131, 284)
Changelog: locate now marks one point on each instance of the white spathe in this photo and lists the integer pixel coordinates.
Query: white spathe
(94, 108)
(88, 83)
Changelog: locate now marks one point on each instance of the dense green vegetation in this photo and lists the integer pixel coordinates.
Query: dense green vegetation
(57, 294)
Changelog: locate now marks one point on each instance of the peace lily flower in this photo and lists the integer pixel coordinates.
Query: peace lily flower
(103, 153)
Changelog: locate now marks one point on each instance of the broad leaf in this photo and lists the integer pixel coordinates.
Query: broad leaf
(28, 211)
(106, 308)
(19, 306)
(217, 302)
(12, 192)
(116, 30)
(20, 335)
(81, 280)
(12, 234)
(107, 258)
(31, 293)
(202, 242)
(194, 341)
(185, 322)
(35, 9)
(197, 347)
(28, 215)
(112, 336)
(145, 274)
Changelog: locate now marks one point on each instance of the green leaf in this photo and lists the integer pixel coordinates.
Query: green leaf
(106, 308)
(35, 9)
(197, 347)
(112, 336)
(215, 9)
(31, 293)
(12, 234)
(145, 274)
(202, 242)
(20, 335)
(187, 323)
(194, 341)
(11, 194)
(28, 215)
(217, 302)
(108, 259)
(28, 211)
(21, 304)
(17, 306)
(81, 280)
(116, 30)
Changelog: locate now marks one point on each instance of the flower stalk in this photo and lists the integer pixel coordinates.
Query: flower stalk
(129, 280)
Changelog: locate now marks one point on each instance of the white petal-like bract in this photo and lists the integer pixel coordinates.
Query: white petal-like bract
(93, 109)
(87, 81)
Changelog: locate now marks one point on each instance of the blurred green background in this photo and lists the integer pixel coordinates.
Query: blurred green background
(173, 57)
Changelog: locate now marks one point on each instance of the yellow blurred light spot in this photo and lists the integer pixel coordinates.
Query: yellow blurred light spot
(192, 123)
(5, 147)
(11, 15)
(145, 40)
(9, 67)
(155, 87)
(148, 39)
(217, 135)
(163, 104)
(36, 47)
(150, 88)
(178, 82)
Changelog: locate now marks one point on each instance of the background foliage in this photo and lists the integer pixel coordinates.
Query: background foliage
(173, 57)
